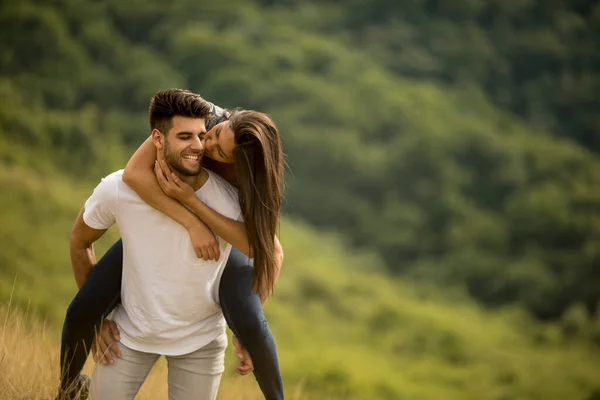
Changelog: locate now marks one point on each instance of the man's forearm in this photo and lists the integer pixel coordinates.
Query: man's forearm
(82, 261)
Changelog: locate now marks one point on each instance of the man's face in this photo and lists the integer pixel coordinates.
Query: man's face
(220, 142)
(184, 145)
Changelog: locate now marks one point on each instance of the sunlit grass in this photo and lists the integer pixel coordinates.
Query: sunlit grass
(29, 367)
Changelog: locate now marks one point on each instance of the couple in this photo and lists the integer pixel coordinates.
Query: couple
(172, 294)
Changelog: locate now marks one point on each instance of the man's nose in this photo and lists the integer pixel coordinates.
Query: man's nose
(198, 144)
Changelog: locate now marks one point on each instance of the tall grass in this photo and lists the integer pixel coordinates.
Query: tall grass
(29, 367)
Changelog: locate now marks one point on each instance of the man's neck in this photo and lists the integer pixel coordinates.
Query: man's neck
(197, 181)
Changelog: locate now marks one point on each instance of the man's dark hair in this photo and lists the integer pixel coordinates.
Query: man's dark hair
(166, 104)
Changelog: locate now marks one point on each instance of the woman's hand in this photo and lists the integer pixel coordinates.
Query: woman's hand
(204, 241)
(171, 184)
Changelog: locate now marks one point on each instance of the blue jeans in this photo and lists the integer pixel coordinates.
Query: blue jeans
(101, 292)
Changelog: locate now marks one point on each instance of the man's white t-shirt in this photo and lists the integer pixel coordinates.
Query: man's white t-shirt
(169, 297)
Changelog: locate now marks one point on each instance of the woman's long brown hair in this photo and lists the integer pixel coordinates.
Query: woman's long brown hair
(259, 165)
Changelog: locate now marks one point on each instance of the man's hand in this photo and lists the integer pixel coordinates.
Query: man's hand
(171, 184)
(204, 241)
(242, 354)
(104, 343)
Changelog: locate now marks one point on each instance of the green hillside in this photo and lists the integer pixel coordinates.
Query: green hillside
(344, 329)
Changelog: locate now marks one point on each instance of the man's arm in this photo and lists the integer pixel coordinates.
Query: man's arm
(96, 216)
(81, 246)
(83, 260)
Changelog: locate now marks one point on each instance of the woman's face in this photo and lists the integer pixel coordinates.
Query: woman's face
(219, 143)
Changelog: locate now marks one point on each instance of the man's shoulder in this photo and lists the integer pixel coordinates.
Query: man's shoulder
(112, 179)
(115, 176)
(109, 185)
(114, 182)
(101, 206)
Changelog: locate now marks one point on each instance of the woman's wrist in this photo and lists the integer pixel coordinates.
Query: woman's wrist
(190, 201)
(192, 223)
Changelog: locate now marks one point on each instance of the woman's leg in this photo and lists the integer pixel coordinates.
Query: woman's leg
(98, 296)
(244, 315)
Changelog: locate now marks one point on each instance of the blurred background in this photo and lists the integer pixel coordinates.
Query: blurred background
(442, 224)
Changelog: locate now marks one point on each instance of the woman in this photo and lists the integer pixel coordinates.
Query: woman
(245, 150)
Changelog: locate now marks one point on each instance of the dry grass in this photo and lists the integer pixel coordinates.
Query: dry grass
(29, 353)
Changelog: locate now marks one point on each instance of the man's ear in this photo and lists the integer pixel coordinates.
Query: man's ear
(158, 138)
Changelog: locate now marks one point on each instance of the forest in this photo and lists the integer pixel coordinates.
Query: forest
(459, 139)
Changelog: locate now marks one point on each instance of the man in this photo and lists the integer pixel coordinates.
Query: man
(169, 296)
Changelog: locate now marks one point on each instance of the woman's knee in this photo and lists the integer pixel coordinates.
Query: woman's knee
(236, 280)
(253, 329)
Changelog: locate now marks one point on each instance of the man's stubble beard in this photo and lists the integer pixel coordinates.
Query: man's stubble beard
(174, 162)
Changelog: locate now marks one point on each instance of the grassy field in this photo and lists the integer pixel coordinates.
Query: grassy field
(344, 329)
(29, 366)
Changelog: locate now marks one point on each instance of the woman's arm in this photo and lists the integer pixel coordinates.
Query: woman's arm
(139, 175)
(230, 230)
